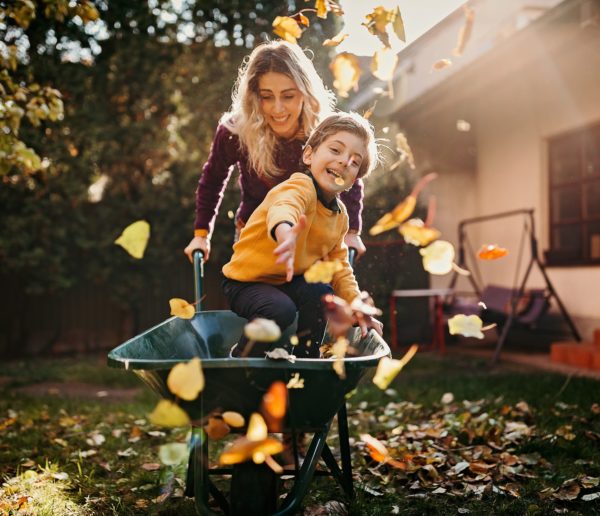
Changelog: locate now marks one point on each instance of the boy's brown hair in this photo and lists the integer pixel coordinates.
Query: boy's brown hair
(352, 123)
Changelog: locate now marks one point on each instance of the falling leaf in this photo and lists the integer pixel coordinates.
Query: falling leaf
(274, 405)
(295, 382)
(336, 40)
(369, 112)
(440, 64)
(322, 271)
(416, 233)
(262, 330)
(388, 368)
(346, 73)
(338, 314)
(491, 252)
(216, 428)
(384, 64)
(172, 454)
(464, 34)
(438, 257)
(166, 413)
(378, 20)
(243, 449)
(257, 428)
(302, 20)
(135, 238)
(96, 189)
(338, 351)
(287, 28)
(280, 354)
(233, 419)
(404, 149)
(186, 379)
(322, 8)
(466, 325)
(181, 308)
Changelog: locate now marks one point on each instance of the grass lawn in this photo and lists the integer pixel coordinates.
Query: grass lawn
(75, 439)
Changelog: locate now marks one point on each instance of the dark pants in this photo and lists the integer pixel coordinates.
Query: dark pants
(280, 304)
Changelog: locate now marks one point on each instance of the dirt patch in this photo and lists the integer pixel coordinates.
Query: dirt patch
(78, 390)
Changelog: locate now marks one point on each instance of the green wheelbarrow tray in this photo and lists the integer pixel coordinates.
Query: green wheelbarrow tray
(239, 385)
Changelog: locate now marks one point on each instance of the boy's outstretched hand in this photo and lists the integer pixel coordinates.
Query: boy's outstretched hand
(286, 237)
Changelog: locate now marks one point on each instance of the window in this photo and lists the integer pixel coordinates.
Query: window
(574, 161)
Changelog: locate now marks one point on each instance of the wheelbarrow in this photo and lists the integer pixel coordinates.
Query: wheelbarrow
(239, 385)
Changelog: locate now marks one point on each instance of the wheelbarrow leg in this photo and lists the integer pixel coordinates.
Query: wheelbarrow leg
(345, 451)
(294, 498)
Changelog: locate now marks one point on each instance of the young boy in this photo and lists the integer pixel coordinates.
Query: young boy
(299, 222)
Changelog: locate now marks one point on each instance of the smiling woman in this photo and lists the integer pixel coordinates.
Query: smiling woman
(278, 100)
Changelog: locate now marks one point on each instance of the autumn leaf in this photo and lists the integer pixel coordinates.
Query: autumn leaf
(287, 28)
(181, 308)
(243, 449)
(233, 419)
(440, 64)
(169, 414)
(384, 64)
(464, 34)
(338, 314)
(491, 252)
(378, 20)
(416, 233)
(295, 382)
(186, 379)
(438, 257)
(322, 271)
(404, 149)
(216, 428)
(466, 325)
(338, 352)
(379, 452)
(302, 20)
(322, 8)
(274, 405)
(336, 40)
(262, 330)
(346, 73)
(388, 368)
(135, 238)
(257, 428)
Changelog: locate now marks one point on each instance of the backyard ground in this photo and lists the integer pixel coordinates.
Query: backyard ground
(75, 439)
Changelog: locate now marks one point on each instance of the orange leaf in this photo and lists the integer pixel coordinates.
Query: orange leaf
(287, 28)
(465, 31)
(181, 308)
(440, 64)
(336, 40)
(216, 428)
(491, 252)
(274, 405)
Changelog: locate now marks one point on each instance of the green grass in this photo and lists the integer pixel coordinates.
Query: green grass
(42, 437)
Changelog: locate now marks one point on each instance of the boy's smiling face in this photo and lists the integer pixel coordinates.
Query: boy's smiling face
(335, 162)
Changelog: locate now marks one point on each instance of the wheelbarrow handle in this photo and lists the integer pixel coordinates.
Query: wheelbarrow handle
(352, 253)
(198, 277)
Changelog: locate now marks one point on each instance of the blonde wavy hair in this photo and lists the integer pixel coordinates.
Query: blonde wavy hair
(245, 117)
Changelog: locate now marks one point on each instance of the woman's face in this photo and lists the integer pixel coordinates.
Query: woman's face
(281, 103)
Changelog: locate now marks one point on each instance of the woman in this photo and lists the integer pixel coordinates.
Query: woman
(277, 101)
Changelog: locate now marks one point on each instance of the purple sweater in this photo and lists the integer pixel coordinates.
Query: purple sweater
(226, 152)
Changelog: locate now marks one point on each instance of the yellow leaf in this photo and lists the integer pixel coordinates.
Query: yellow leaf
(346, 73)
(322, 8)
(440, 64)
(295, 382)
(394, 218)
(257, 428)
(384, 63)
(167, 413)
(135, 238)
(464, 33)
(322, 271)
(186, 379)
(377, 22)
(416, 233)
(242, 450)
(336, 40)
(438, 257)
(398, 25)
(287, 28)
(262, 330)
(466, 325)
(181, 308)
(233, 419)
(388, 368)
(338, 351)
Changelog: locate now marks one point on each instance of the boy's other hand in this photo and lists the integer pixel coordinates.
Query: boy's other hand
(353, 240)
(366, 321)
(198, 242)
(286, 236)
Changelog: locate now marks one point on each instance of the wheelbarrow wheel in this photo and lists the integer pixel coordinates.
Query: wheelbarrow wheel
(254, 490)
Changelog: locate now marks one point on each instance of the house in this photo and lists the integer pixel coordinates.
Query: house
(514, 123)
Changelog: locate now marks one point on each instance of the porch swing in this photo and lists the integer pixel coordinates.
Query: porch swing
(508, 307)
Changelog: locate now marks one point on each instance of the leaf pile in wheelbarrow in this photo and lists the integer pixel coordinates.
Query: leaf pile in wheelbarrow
(460, 449)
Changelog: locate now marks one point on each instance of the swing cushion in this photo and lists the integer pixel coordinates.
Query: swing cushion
(530, 307)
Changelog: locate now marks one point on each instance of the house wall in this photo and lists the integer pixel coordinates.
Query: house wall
(555, 92)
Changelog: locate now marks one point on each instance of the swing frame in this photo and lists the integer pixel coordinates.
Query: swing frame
(512, 316)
